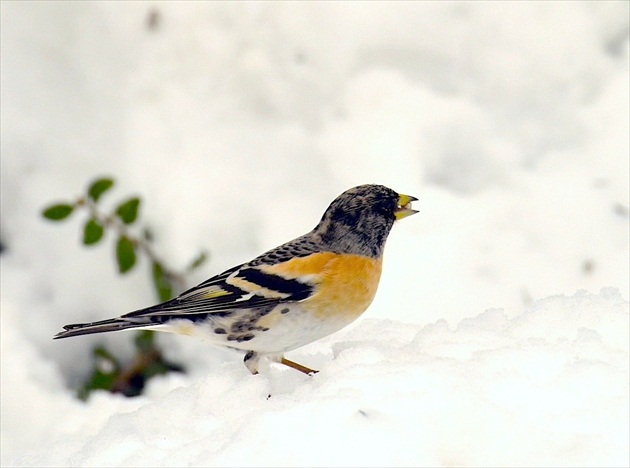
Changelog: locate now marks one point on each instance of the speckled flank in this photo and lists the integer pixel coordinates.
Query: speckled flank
(268, 320)
(345, 284)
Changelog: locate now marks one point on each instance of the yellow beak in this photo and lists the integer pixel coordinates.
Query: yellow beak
(404, 209)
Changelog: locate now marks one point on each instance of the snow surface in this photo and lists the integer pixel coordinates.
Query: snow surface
(499, 336)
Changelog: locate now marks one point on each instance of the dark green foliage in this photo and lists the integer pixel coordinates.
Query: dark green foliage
(92, 232)
(109, 373)
(163, 285)
(144, 340)
(125, 254)
(58, 212)
(99, 187)
(128, 211)
(106, 371)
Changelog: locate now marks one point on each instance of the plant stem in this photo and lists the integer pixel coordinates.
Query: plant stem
(112, 221)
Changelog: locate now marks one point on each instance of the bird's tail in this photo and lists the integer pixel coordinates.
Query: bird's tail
(102, 326)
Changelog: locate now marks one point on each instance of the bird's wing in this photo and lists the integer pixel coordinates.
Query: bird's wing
(242, 287)
(262, 283)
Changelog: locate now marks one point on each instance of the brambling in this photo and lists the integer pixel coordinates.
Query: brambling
(289, 296)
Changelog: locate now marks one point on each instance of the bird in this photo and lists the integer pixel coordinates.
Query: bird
(289, 296)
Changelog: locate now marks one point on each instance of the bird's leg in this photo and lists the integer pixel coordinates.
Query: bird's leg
(298, 367)
(251, 360)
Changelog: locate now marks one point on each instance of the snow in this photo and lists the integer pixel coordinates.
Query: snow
(500, 332)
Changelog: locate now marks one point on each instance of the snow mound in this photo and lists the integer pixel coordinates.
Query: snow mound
(548, 387)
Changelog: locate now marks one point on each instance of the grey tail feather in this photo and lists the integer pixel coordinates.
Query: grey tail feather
(102, 326)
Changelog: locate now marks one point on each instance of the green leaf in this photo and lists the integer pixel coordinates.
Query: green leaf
(162, 283)
(125, 254)
(156, 368)
(160, 366)
(128, 211)
(197, 262)
(106, 371)
(105, 362)
(144, 341)
(92, 232)
(58, 212)
(99, 187)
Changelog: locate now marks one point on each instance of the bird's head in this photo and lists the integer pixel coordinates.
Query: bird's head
(359, 220)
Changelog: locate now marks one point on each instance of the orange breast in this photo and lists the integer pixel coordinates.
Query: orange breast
(346, 284)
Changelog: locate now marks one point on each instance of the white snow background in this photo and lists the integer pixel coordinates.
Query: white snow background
(499, 335)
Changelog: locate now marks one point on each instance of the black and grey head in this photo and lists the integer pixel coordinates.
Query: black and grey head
(359, 220)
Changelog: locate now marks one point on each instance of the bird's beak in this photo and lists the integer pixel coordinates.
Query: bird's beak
(404, 206)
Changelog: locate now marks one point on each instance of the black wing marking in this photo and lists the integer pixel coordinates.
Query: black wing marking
(296, 290)
(215, 280)
(219, 298)
(216, 297)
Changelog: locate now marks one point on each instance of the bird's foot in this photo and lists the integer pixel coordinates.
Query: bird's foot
(298, 367)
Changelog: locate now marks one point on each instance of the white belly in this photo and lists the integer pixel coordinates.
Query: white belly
(284, 332)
